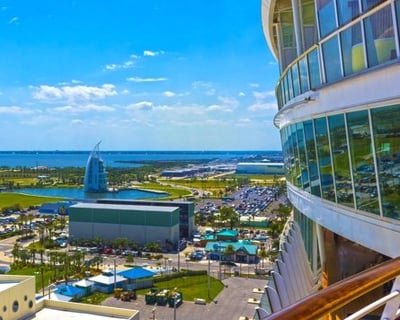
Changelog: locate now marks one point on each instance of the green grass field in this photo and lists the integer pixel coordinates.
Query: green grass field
(191, 287)
(23, 200)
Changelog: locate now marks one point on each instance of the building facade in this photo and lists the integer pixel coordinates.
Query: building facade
(95, 179)
(141, 224)
(338, 111)
(186, 212)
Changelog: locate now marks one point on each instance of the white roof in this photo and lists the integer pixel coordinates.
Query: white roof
(50, 314)
(126, 207)
(84, 283)
(107, 279)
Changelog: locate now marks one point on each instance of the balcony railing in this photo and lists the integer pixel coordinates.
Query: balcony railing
(338, 295)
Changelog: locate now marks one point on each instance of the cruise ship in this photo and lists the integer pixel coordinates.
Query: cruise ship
(338, 115)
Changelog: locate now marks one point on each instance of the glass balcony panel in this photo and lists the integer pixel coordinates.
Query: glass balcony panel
(314, 69)
(304, 80)
(296, 80)
(347, 10)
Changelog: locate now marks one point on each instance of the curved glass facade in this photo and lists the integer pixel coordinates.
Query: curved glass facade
(352, 41)
(95, 179)
(352, 159)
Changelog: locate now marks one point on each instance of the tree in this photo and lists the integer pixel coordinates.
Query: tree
(262, 254)
(229, 215)
(229, 251)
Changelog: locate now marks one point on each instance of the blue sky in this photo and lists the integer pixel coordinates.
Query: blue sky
(136, 74)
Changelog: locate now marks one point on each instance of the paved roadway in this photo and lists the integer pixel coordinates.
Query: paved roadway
(231, 304)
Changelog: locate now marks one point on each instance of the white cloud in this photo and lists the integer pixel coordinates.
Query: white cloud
(259, 95)
(138, 79)
(148, 53)
(14, 20)
(14, 110)
(229, 101)
(241, 94)
(125, 65)
(262, 107)
(83, 108)
(243, 122)
(77, 121)
(216, 107)
(169, 94)
(73, 93)
(142, 105)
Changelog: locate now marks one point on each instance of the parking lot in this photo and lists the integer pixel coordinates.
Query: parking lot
(231, 303)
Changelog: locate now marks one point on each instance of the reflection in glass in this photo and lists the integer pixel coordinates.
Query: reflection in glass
(330, 52)
(362, 161)
(386, 126)
(326, 16)
(379, 35)
(340, 156)
(312, 158)
(313, 63)
(303, 177)
(296, 80)
(324, 159)
(347, 10)
(303, 75)
(352, 50)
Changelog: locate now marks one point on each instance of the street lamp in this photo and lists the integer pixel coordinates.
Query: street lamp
(42, 278)
(220, 260)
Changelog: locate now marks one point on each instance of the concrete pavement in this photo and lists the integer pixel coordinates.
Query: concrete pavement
(231, 304)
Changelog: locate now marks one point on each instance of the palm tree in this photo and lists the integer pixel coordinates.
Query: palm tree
(262, 254)
(229, 251)
(15, 252)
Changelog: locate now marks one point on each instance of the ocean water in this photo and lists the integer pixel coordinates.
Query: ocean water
(121, 159)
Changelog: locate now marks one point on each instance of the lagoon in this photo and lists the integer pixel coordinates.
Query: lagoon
(79, 194)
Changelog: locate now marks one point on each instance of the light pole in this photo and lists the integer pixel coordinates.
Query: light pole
(115, 274)
(209, 280)
(220, 260)
(175, 294)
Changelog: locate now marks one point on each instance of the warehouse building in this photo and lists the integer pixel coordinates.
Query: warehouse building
(186, 212)
(139, 223)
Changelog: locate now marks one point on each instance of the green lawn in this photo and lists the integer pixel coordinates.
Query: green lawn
(11, 199)
(191, 287)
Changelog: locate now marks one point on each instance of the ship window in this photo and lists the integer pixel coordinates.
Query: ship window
(303, 75)
(314, 68)
(15, 306)
(347, 10)
(312, 158)
(340, 157)
(379, 35)
(362, 161)
(330, 51)
(387, 150)
(324, 159)
(352, 50)
(326, 16)
(296, 80)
